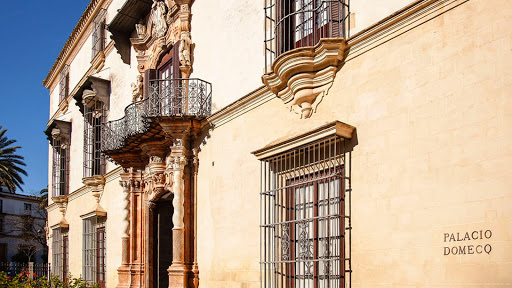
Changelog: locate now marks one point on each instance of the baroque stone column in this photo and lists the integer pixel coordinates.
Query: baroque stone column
(177, 161)
(131, 182)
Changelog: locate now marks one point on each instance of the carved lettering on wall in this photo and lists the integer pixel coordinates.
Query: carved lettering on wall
(470, 242)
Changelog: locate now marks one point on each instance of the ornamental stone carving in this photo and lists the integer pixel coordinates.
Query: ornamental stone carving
(302, 77)
(158, 12)
(141, 29)
(178, 164)
(137, 89)
(185, 45)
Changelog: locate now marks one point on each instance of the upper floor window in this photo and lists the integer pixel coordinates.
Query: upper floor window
(292, 24)
(59, 135)
(60, 169)
(94, 116)
(98, 33)
(64, 83)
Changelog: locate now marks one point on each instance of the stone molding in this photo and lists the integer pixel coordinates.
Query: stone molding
(150, 44)
(302, 77)
(64, 104)
(62, 204)
(282, 145)
(81, 27)
(375, 35)
(95, 184)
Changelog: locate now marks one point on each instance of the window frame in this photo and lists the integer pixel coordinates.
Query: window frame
(60, 169)
(99, 33)
(95, 116)
(64, 83)
(91, 256)
(27, 205)
(314, 180)
(60, 253)
(315, 159)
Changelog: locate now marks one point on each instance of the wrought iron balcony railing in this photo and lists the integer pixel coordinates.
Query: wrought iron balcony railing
(167, 98)
(291, 24)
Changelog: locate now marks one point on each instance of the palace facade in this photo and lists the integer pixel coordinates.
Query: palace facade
(283, 143)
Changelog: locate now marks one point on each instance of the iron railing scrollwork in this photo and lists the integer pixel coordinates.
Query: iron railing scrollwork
(167, 98)
(291, 24)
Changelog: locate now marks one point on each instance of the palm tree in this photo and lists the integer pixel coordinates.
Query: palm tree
(10, 163)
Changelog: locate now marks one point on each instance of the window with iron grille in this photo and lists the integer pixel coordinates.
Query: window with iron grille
(60, 253)
(292, 24)
(303, 216)
(60, 169)
(94, 117)
(64, 83)
(98, 33)
(94, 250)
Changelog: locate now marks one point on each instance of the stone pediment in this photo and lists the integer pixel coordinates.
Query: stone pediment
(302, 77)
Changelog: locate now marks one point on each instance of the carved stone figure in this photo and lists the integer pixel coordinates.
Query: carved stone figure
(137, 89)
(141, 29)
(185, 44)
(158, 11)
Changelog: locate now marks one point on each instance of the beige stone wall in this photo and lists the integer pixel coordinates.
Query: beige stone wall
(219, 32)
(82, 202)
(434, 155)
(230, 41)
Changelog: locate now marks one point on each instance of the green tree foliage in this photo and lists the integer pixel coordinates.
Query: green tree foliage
(10, 163)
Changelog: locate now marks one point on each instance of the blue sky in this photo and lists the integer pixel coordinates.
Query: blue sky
(33, 33)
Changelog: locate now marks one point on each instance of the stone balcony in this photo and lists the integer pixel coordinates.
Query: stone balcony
(178, 103)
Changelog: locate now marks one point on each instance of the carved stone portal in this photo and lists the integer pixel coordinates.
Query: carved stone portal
(302, 77)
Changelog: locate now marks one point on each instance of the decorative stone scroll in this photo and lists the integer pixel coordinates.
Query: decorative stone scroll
(302, 77)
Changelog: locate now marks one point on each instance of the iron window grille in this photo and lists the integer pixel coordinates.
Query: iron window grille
(291, 24)
(305, 219)
(60, 169)
(98, 33)
(94, 250)
(60, 253)
(64, 83)
(94, 116)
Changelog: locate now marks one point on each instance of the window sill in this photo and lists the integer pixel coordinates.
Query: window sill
(302, 77)
(98, 61)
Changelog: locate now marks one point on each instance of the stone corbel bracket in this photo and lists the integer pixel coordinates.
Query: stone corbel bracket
(302, 77)
(62, 203)
(96, 184)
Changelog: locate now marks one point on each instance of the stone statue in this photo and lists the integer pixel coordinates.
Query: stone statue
(137, 89)
(158, 11)
(141, 29)
(185, 49)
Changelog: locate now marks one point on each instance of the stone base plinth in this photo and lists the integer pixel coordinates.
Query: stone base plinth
(123, 273)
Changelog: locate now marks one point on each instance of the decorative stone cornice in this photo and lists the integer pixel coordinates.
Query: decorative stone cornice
(302, 77)
(335, 128)
(98, 61)
(80, 28)
(95, 183)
